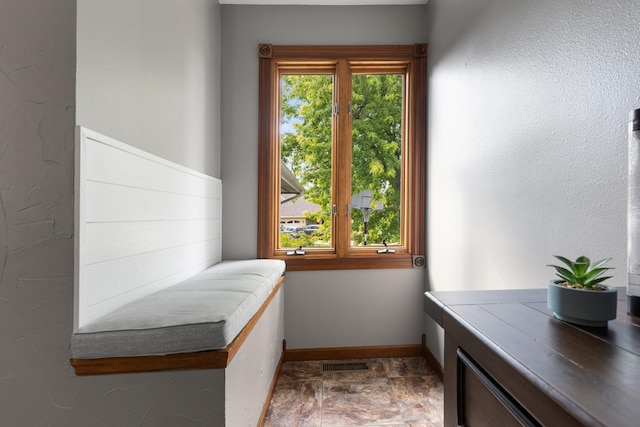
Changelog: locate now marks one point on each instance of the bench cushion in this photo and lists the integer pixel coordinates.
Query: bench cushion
(205, 312)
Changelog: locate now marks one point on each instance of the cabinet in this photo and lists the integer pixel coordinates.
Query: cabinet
(509, 362)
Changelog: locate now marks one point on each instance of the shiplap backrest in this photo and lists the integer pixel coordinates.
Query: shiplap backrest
(142, 223)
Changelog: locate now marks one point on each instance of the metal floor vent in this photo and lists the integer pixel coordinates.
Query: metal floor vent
(349, 366)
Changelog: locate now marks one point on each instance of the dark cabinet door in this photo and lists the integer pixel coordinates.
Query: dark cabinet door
(482, 402)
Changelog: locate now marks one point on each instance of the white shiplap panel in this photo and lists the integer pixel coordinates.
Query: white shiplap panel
(95, 311)
(108, 241)
(120, 276)
(111, 285)
(112, 164)
(142, 224)
(110, 203)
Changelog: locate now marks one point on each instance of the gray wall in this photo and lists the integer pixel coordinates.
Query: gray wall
(149, 75)
(37, 117)
(527, 157)
(330, 308)
(542, 88)
(37, 108)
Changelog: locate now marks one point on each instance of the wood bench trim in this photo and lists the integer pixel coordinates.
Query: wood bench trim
(210, 359)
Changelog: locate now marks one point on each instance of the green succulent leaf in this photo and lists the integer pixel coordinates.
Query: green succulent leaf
(594, 273)
(581, 266)
(563, 272)
(600, 263)
(599, 280)
(564, 278)
(581, 271)
(568, 262)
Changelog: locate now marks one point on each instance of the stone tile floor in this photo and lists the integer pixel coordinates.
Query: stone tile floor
(392, 392)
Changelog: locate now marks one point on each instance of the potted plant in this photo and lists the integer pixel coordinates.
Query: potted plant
(579, 296)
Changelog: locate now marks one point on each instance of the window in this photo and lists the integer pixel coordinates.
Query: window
(342, 133)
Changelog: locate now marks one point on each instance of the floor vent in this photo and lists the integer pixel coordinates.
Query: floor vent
(350, 366)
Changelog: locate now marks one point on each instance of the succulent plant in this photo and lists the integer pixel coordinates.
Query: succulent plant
(581, 273)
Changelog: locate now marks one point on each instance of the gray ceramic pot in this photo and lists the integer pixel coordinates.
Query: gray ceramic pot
(582, 307)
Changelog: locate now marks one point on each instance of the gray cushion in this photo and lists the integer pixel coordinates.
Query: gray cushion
(205, 312)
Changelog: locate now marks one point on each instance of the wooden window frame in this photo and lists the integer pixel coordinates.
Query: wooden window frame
(271, 59)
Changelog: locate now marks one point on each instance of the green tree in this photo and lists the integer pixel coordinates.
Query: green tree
(376, 145)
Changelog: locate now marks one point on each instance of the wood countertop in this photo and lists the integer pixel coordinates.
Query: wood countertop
(560, 373)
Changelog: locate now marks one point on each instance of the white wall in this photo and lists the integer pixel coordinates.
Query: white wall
(322, 309)
(149, 76)
(528, 108)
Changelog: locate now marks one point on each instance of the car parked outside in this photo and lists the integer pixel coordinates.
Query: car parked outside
(312, 228)
(294, 231)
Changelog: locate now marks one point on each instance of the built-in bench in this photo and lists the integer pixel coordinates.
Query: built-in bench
(205, 312)
(151, 291)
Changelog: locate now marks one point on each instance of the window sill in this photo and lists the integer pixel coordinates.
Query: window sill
(359, 262)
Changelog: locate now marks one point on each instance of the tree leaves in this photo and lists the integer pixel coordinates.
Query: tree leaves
(306, 120)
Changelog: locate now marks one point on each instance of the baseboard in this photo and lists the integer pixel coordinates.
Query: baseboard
(342, 353)
(431, 359)
(276, 374)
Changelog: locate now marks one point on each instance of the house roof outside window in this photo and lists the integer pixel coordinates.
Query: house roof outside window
(289, 184)
(296, 208)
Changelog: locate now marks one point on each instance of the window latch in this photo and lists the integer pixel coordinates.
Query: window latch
(386, 250)
(348, 209)
(334, 210)
(298, 251)
(335, 109)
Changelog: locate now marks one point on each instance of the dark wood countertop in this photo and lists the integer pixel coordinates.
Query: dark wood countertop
(591, 373)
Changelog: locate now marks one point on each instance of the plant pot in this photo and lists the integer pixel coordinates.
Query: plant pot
(582, 306)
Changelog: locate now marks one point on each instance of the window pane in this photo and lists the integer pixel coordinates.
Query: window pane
(305, 147)
(376, 115)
